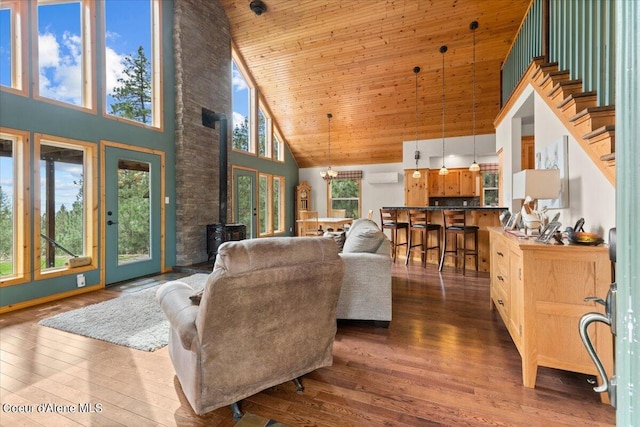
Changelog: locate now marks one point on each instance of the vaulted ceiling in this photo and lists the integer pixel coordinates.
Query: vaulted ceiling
(355, 59)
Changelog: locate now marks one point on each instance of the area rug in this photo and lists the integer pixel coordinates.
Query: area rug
(251, 420)
(133, 320)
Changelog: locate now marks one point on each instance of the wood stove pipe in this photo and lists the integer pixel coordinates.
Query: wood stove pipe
(209, 119)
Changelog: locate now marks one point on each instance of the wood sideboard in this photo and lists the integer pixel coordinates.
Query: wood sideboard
(539, 290)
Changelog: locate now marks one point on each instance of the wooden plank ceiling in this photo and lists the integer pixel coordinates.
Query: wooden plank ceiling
(355, 59)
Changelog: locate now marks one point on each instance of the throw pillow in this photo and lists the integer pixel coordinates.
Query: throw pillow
(339, 238)
(364, 240)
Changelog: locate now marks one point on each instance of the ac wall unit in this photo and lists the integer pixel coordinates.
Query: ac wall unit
(382, 177)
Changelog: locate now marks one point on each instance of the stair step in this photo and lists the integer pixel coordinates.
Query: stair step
(602, 140)
(608, 157)
(563, 89)
(552, 78)
(543, 68)
(592, 118)
(577, 102)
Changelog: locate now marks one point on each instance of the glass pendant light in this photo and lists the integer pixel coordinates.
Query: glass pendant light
(475, 167)
(443, 169)
(416, 173)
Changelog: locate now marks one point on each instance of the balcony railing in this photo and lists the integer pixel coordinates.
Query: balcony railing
(578, 35)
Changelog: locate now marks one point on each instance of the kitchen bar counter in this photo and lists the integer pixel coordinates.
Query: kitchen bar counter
(482, 216)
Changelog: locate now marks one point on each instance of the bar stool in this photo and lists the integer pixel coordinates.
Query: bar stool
(455, 224)
(389, 221)
(419, 221)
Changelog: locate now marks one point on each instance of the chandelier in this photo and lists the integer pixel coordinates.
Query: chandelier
(329, 174)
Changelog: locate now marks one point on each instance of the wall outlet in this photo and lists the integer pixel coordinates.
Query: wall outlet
(80, 280)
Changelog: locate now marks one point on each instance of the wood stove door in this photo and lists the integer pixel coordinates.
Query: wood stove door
(132, 211)
(244, 200)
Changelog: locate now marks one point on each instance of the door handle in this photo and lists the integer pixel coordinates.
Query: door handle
(608, 384)
(111, 222)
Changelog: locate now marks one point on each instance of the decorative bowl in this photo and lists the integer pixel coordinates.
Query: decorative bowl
(584, 238)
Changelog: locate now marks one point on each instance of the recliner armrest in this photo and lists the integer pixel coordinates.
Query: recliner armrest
(174, 301)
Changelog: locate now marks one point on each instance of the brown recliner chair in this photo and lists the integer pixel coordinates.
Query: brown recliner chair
(267, 315)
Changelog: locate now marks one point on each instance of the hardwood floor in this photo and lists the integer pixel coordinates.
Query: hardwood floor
(446, 359)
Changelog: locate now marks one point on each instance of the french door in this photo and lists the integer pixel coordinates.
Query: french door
(132, 213)
(245, 201)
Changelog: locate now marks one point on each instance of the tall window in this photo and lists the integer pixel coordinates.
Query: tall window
(14, 199)
(271, 204)
(64, 51)
(262, 134)
(12, 27)
(277, 148)
(66, 196)
(240, 103)
(131, 61)
(345, 194)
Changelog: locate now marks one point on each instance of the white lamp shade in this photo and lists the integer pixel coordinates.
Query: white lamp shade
(537, 184)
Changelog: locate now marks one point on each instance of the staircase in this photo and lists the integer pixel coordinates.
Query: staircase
(592, 126)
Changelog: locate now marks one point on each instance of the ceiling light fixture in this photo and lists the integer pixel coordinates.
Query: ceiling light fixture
(416, 173)
(329, 174)
(475, 167)
(443, 169)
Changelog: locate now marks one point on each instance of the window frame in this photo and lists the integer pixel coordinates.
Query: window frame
(252, 107)
(18, 36)
(157, 98)
(330, 198)
(90, 193)
(269, 201)
(21, 207)
(496, 188)
(88, 67)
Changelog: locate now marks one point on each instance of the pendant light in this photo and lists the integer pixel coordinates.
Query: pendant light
(475, 167)
(443, 169)
(329, 174)
(416, 173)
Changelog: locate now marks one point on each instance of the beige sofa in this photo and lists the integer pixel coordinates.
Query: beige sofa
(267, 315)
(366, 287)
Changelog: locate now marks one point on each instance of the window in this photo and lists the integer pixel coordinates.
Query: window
(14, 199)
(271, 204)
(345, 194)
(262, 134)
(490, 188)
(65, 218)
(131, 60)
(277, 148)
(240, 100)
(12, 36)
(64, 52)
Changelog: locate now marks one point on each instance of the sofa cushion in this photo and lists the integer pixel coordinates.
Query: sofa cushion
(366, 237)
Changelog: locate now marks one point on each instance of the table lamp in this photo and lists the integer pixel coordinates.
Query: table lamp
(531, 185)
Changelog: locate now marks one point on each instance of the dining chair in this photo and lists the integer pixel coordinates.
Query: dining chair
(310, 225)
(455, 224)
(419, 223)
(389, 221)
(338, 213)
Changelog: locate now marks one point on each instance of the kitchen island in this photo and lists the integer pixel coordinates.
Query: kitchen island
(482, 216)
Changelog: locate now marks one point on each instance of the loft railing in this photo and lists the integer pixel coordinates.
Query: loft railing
(578, 35)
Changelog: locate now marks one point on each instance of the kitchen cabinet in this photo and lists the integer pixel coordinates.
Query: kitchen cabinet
(415, 189)
(469, 183)
(452, 183)
(539, 290)
(436, 183)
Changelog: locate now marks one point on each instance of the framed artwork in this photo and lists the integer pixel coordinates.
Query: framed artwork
(547, 232)
(513, 222)
(555, 156)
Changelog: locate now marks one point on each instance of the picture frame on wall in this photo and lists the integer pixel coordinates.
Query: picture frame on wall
(555, 156)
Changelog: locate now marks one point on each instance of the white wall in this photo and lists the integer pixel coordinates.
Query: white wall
(373, 197)
(591, 196)
(458, 151)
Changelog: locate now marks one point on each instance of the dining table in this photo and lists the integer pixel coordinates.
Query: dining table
(326, 222)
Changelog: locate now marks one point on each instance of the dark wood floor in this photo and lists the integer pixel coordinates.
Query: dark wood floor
(446, 359)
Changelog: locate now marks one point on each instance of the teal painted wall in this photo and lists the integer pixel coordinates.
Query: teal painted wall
(25, 113)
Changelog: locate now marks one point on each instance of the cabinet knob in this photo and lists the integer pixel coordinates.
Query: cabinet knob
(500, 278)
(501, 302)
(500, 253)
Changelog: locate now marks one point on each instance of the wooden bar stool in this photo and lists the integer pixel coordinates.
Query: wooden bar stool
(455, 224)
(389, 221)
(419, 222)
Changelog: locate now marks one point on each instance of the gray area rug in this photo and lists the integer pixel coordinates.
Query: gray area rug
(133, 320)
